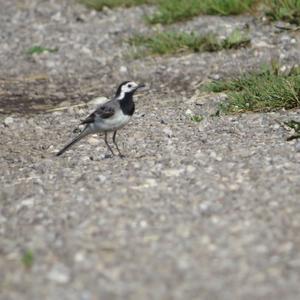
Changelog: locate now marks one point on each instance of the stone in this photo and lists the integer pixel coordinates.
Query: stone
(94, 140)
(173, 172)
(8, 121)
(190, 169)
(123, 69)
(59, 274)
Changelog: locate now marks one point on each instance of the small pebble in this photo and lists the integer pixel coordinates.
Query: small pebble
(123, 69)
(59, 274)
(173, 172)
(93, 141)
(168, 131)
(8, 121)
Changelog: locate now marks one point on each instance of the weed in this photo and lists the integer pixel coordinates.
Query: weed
(40, 49)
(172, 42)
(268, 90)
(176, 42)
(170, 11)
(236, 39)
(27, 259)
(286, 10)
(197, 118)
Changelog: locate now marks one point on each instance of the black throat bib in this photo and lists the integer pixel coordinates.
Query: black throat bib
(127, 104)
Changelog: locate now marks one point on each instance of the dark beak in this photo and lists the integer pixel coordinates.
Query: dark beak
(141, 85)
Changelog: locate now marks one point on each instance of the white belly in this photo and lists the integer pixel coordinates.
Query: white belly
(115, 122)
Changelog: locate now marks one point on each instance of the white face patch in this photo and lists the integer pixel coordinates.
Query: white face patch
(127, 88)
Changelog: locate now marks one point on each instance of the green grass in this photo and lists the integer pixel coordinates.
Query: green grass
(170, 11)
(176, 42)
(27, 259)
(173, 42)
(197, 118)
(268, 90)
(236, 39)
(40, 49)
(99, 4)
(286, 10)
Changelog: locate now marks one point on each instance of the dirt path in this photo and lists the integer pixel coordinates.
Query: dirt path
(204, 210)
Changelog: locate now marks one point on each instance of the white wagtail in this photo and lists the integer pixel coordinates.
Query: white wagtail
(110, 116)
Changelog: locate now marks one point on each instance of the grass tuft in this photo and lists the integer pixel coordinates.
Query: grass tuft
(286, 10)
(268, 90)
(170, 11)
(27, 259)
(173, 42)
(197, 118)
(176, 42)
(40, 49)
(236, 39)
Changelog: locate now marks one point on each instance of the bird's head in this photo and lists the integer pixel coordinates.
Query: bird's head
(127, 88)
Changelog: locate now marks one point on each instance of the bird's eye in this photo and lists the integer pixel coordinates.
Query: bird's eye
(129, 85)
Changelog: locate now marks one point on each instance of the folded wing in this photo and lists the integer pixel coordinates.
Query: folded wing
(102, 112)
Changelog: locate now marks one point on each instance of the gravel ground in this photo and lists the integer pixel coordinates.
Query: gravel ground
(204, 210)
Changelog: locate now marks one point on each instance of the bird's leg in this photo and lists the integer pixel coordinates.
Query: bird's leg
(115, 143)
(107, 144)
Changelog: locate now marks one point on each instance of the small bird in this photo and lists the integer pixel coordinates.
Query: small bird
(110, 116)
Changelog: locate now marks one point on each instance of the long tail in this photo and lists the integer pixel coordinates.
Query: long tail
(84, 133)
